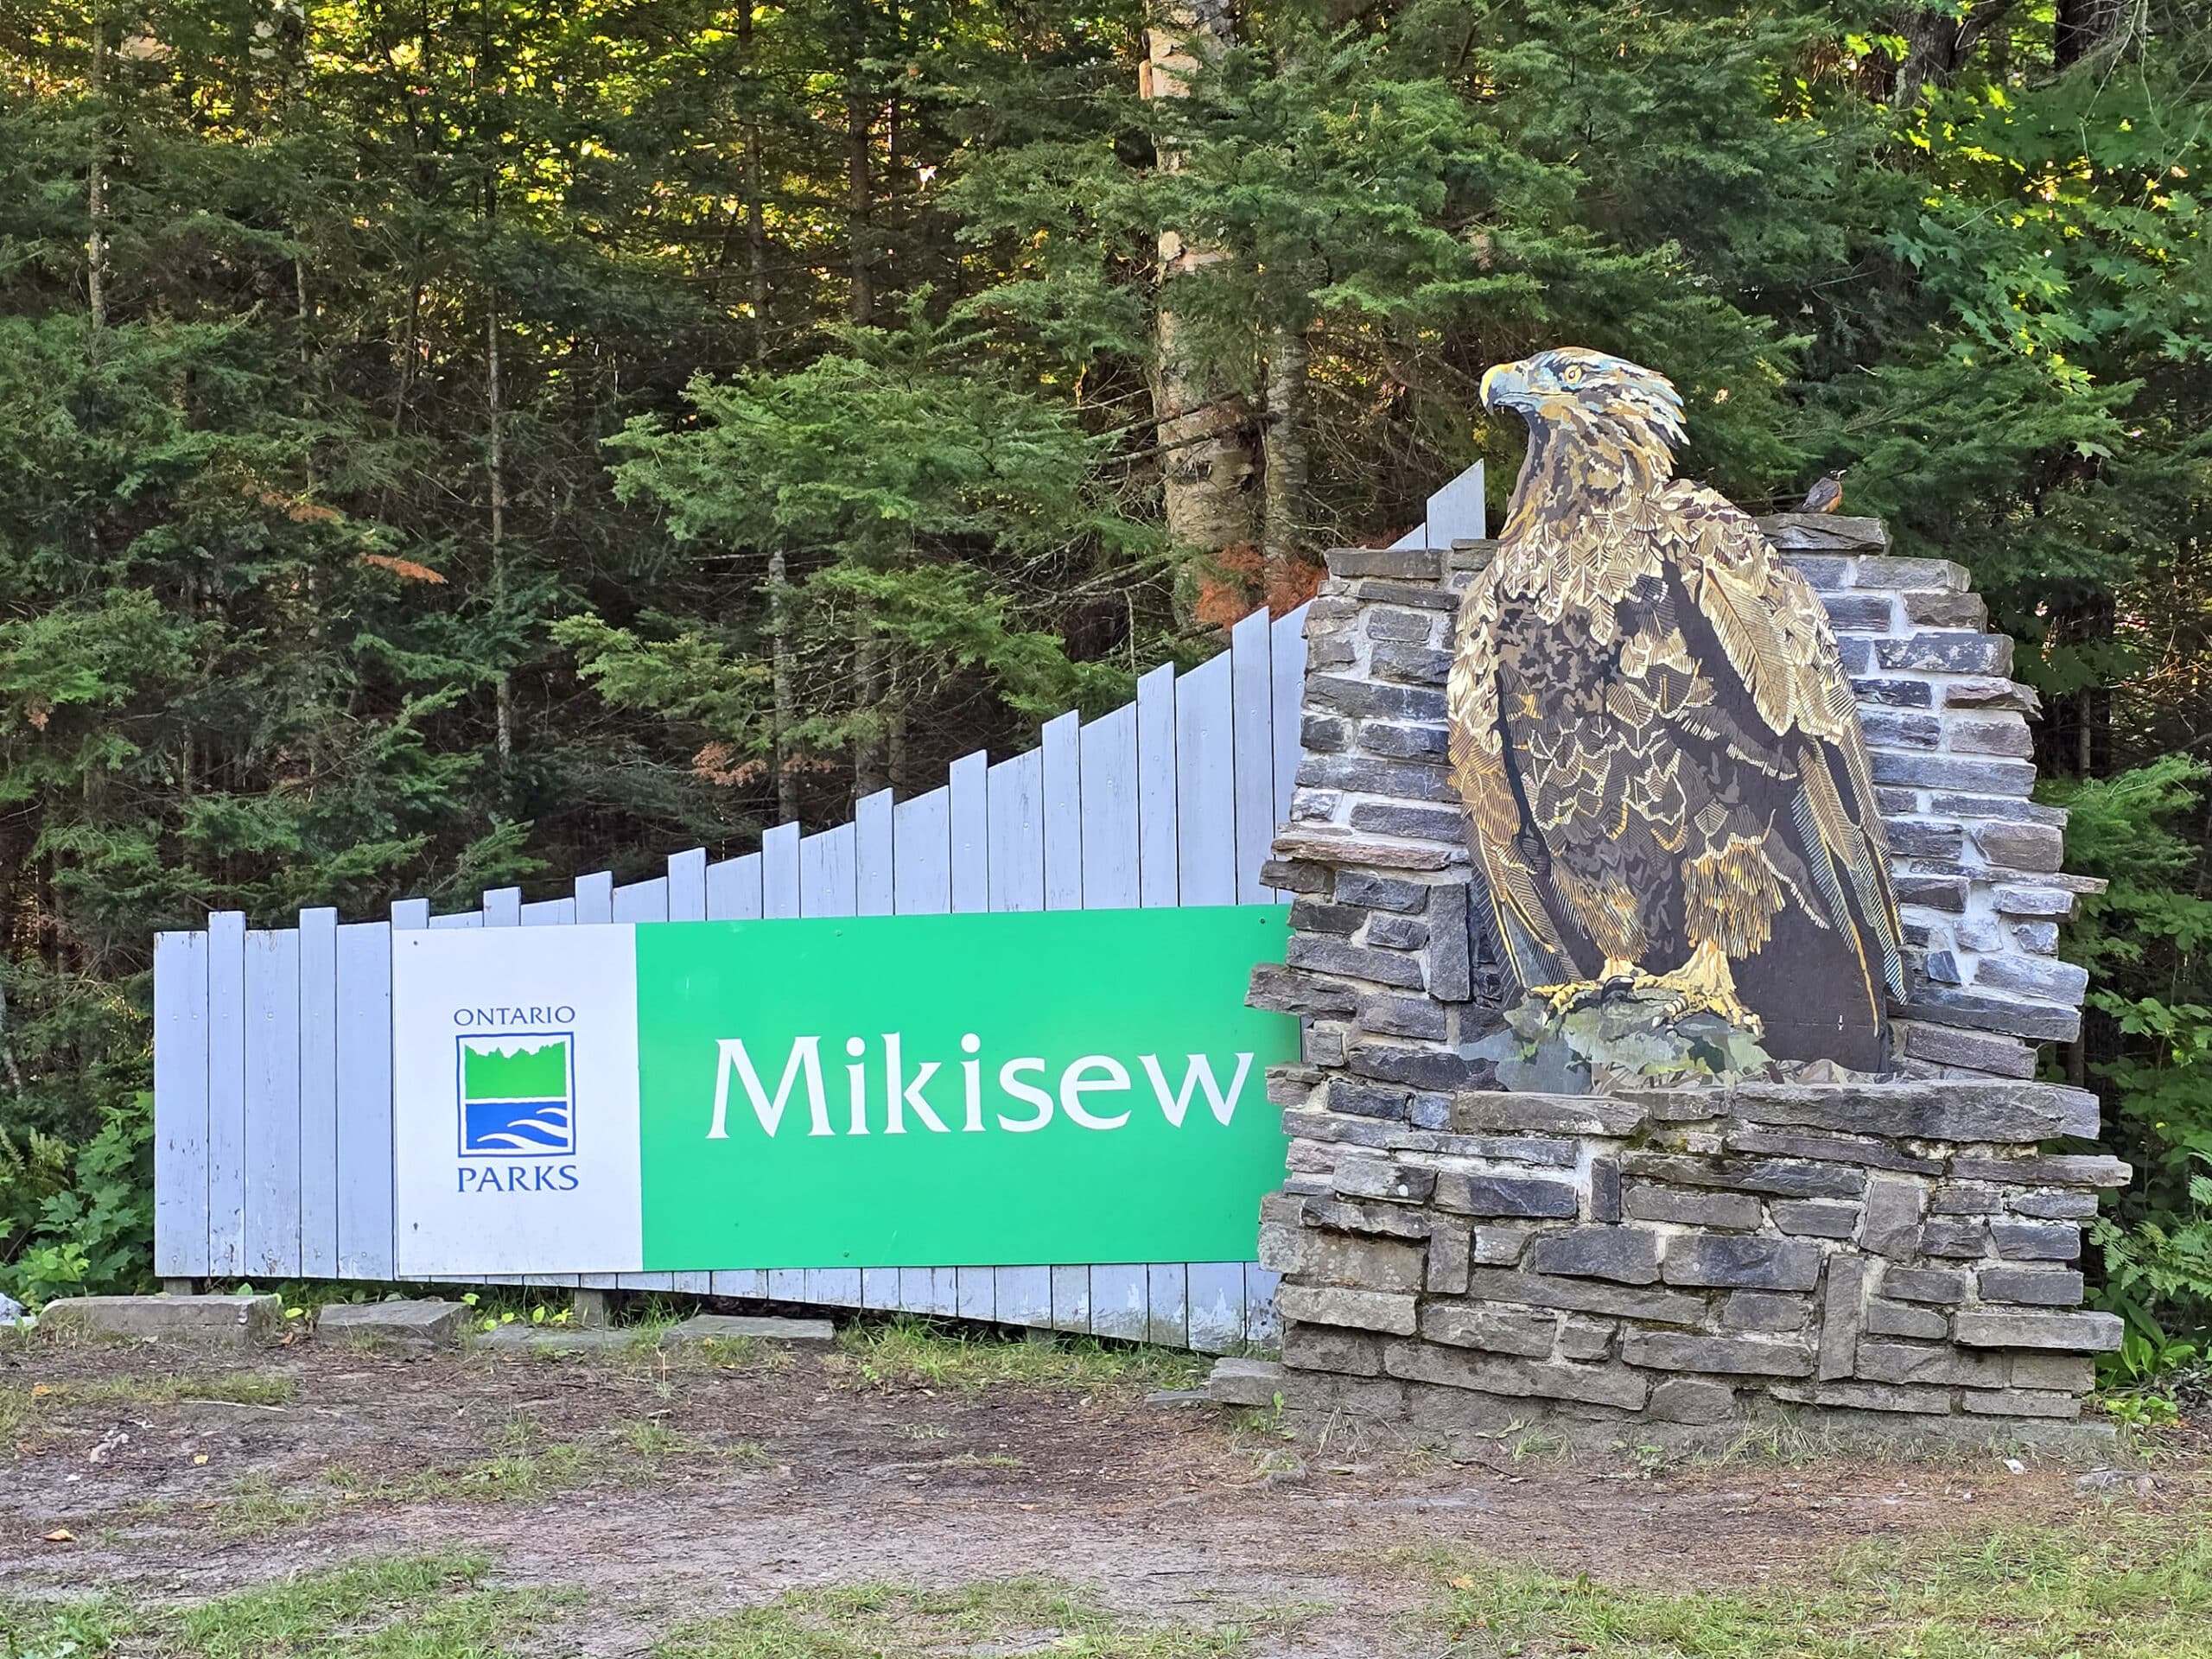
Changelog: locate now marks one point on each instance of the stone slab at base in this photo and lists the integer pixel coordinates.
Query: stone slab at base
(210, 1321)
(1245, 1382)
(432, 1323)
(557, 1338)
(736, 1327)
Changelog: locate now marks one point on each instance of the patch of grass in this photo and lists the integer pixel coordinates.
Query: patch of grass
(648, 1437)
(1001, 1617)
(231, 1388)
(433, 1608)
(914, 1353)
(2116, 1586)
(255, 1507)
(982, 1460)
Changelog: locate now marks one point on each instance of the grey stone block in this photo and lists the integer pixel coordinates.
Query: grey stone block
(1411, 664)
(2021, 899)
(1450, 1253)
(1403, 1016)
(1960, 1110)
(1235, 1381)
(1948, 652)
(1972, 773)
(1314, 916)
(1893, 1210)
(1327, 1348)
(1293, 876)
(1851, 612)
(1888, 571)
(1418, 563)
(1628, 1256)
(430, 1322)
(1887, 1319)
(1989, 692)
(1946, 1286)
(2008, 1057)
(1415, 627)
(1468, 1194)
(2038, 977)
(1946, 610)
(1375, 1178)
(2076, 1332)
(1449, 966)
(2019, 1402)
(1595, 1114)
(1651, 1201)
(2005, 734)
(1866, 1396)
(1992, 1011)
(1436, 1069)
(1367, 700)
(2053, 1171)
(741, 1327)
(2038, 847)
(1360, 775)
(1736, 1260)
(1765, 1310)
(1372, 591)
(1965, 1198)
(1814, 1217)
(1288, 990)
(1900, 729)
(1327, 843)
(1692, 1400)
(1497, 1329)
(1365, 1100)
(560, 1339)
(1896, 692)
(1898, 1362)
(1584, 1296)
(209, 1321)
(1381, 892)
(1923, 838)
(1331, 955)
(1357, 1310)
(1581, 1339)
(1417, 822)
(1605, 1190)
(1685, 1351)
(1399, 933)
(2056, 1206)
(1499, 1247)
(1597, 1385)
(1843, 1315)
(1324, 735)
(2036, 1241)
(2072, 1373)
(2037, 1287)
(1364, 1263)
(1959, 1240)
(1945, 893)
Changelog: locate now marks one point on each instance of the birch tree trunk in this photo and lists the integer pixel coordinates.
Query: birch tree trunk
(96, 179)
(1205, 432)
(779, 638)
(1283, 449)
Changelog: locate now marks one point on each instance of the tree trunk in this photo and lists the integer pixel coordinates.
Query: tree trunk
(859, 118)
(96, 179)
(1283, 449)
(2086, 29)
(1205, 432)
(867, 697)
(780, 636)
(756, 222)
(503, 689)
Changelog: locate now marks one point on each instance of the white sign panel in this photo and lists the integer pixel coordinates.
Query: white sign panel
(515, 1101)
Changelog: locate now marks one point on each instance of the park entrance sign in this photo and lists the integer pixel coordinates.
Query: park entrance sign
(1038, 1087)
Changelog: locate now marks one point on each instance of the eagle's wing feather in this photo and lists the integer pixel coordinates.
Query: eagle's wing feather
(1775, 633)
(1496, 812)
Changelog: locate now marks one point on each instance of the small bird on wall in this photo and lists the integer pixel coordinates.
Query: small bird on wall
(1665, 780)
(1826, 495)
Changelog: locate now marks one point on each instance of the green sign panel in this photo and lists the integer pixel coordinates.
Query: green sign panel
(919, 1090)
(1001, 1090)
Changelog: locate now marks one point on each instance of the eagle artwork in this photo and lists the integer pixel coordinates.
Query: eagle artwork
(1666, 789)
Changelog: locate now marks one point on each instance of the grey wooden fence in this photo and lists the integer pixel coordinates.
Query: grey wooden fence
(272, 1047)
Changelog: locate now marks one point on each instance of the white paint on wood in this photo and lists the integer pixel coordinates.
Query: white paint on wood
(1110, 812)
(1156, 829)
(1252, 734)
(1063, 815)
(1262, 1329)
(1015, 792)
(779, 871)
(875, 870)
(412, 912)
(1205, 787)
(642, 901)
(967, 786)
(748, 1282)
(734, 889)
(976, 1292)
(879, 1288)
(502, 907)
(318, 1092)
(786, 1285)
(825, 873)
(1071, 1298)
(594, 899)
(1167, 1324)
(1024, 1295)
(180, 1105)
(227, 1147)
(687, 886)
(549, 913)
(922, 851)
(272, 1103)
(1286, 671)
(834, 1287)
(1458, 512)
(364, 1196)
(1215, 1306)
(1120, 1302)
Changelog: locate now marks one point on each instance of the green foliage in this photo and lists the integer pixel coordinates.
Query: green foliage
(81, 1222)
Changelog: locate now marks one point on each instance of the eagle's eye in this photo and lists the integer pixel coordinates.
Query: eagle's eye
(1573, 377)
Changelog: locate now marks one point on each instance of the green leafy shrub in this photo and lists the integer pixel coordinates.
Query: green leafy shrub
(81, 1221)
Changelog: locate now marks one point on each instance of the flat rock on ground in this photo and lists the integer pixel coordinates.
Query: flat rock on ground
(431, 1322)
(219, 1321)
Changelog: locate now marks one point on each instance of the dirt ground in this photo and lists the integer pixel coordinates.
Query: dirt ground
(668, 1485)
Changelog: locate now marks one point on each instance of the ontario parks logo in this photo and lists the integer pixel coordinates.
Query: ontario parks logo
(518, 1094)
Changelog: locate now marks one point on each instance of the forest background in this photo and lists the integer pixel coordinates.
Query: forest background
(448, 444)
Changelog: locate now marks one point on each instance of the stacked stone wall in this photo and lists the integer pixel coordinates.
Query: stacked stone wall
(1686, 1255)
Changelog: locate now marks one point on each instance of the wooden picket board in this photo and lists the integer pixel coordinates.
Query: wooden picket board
(1063, 814)
(1015, 792)
(1121, 1301)
(1215, 1306)
(921, 855)
(227, 1148)
(966, 785)
(594, 900)
(1156, 836)
(642, 901)
(181, 1028)
(786, 1284)
(502, 907)
(872, 866)
(834, 1287)
(1205, 787)
(1167, 1315)
(272, 1103)
(366, 1237)
(1110, 812)
(1251, 721)
(976, 1292)
(779, 871)
(318, 1093)
(1287, 698)
(734, 889)
(1262, 1329)
(1024, 1295)
(687, 886)
(1071, 1292)
(879, 1288)
(826, 885)
(749, 1283)
(549, 913)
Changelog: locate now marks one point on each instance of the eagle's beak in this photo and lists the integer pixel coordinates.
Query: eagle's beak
(1505, 386)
